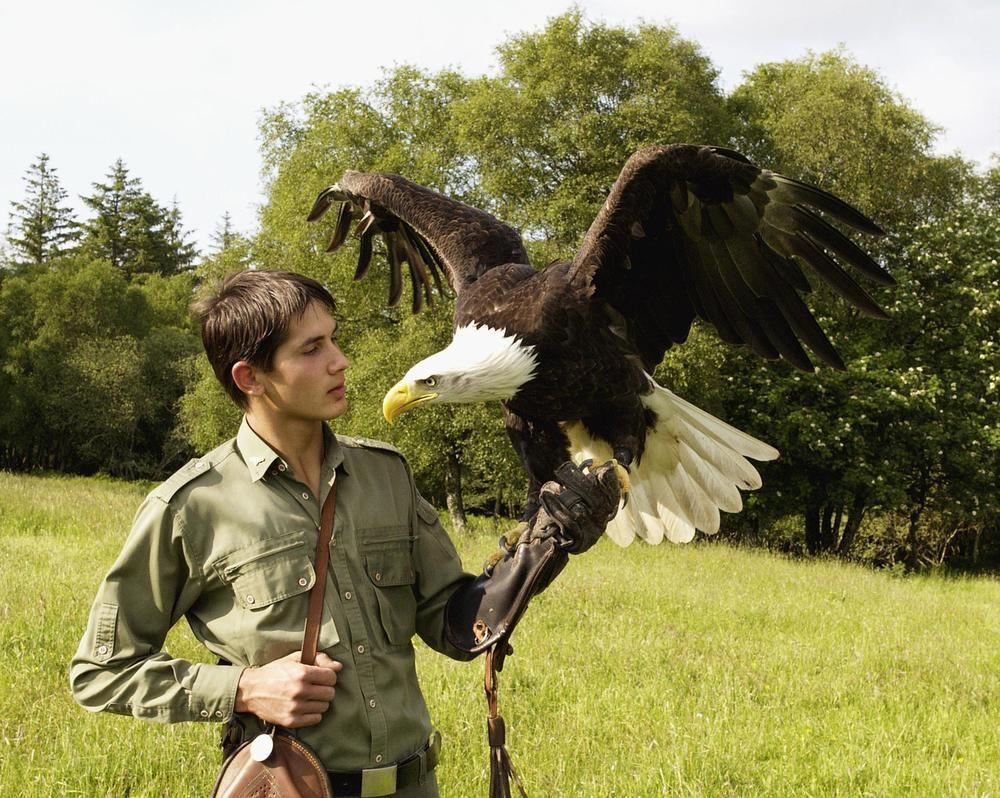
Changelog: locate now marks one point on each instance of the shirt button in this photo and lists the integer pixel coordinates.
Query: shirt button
(250, 599)
(303, 581)
(371, 703)
(378, 576)
(361, 649)
(218, 713)
(102, 649)
(378, 759)
(305, 495)
(281, 466)
(204, 713)
(348, 595)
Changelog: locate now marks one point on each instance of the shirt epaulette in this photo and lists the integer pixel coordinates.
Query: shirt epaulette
(367, 443)
(426, 511)
(185, 474)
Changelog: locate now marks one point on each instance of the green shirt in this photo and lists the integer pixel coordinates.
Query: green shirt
(229, 542)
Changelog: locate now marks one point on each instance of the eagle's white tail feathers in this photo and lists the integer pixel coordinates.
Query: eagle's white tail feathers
(692, 467)
(729, 464)
(737, 440)
(720, 490)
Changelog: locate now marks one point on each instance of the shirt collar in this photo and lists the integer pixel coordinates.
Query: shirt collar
(334, 458)
(259, 456)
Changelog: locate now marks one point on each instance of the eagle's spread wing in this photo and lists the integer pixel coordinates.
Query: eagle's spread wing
(424, 229)
(690, 231)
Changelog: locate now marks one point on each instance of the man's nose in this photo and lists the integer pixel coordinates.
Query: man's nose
(339, 361)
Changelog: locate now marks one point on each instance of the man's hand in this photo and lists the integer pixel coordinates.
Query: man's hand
(286, 692)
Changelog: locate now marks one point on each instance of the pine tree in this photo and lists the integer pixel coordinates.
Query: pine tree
(224, 235)
(132, 230)
(42, 227)
(107, 234)
(180, 253)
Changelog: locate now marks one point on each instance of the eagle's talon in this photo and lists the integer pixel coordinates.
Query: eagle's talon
(508, 542)
(624, 483)
(493, 559)
(519, 534)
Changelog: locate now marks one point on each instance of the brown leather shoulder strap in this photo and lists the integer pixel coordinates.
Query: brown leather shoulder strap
(311, 637)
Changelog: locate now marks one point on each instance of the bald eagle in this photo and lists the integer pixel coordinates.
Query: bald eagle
(686, 232)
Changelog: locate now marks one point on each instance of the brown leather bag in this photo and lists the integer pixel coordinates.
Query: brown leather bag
(290, 768)
(291, 771)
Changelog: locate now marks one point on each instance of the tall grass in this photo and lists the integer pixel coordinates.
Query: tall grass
(688, 671)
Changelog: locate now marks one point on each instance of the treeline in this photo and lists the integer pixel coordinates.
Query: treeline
(894, 461)
(95, 338)
(126, 227)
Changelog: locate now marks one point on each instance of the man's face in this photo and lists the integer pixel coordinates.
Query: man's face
(306, 380)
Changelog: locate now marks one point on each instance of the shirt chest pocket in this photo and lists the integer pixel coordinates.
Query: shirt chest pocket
(388, 564)
(270, 582)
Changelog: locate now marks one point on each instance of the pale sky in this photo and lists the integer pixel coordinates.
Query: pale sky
(175, 89)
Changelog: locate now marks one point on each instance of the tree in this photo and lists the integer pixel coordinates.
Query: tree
(132, 230)
(570, 104)
(106, 231)
(179, 253)
(72, 326)
(42, 226)
(830, 121)
(947, 451)
(224, 234)
(847, 438)
(92, 367)
(206, 416)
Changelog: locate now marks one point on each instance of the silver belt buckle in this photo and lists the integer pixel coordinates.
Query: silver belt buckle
(378, 781)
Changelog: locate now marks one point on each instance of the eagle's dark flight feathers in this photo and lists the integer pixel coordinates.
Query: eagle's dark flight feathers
(687, 231)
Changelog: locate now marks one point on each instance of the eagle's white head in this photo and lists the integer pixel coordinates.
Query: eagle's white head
(480, 364)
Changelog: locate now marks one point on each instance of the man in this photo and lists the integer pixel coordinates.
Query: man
(229, 540)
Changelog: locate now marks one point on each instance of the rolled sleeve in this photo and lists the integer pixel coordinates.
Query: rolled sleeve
(119, 665)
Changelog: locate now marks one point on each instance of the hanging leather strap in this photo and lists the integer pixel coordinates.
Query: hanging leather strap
(310, 639)
(502, 770)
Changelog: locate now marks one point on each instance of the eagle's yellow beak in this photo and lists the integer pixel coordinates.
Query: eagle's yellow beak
(403, 396)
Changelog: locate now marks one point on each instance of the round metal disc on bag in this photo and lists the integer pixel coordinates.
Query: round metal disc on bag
(261, 747)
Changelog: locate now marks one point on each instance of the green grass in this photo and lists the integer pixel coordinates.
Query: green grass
(684, 671)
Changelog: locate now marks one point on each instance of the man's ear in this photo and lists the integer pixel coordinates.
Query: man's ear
(245, 377)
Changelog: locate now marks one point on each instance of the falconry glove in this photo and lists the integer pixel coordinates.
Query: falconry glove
(577, 507)
(575, 511)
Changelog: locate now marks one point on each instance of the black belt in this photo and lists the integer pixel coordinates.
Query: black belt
(375, 782)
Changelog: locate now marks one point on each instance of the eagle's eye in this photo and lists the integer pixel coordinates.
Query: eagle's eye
(430, 382)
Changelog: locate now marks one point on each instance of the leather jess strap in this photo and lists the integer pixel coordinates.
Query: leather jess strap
(310, 639)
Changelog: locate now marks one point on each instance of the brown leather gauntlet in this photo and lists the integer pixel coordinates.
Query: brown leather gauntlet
(486, 610)
(575, 511)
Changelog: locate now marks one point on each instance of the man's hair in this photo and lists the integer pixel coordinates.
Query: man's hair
(247, 316)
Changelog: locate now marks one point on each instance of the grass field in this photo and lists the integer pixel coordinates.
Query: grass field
(683, 671)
